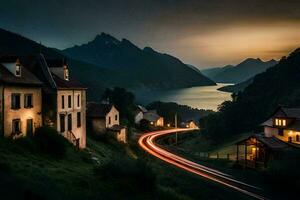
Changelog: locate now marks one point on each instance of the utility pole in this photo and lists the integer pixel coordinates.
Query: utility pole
(176, 127)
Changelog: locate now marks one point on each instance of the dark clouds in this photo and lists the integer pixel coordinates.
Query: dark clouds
(187, 28)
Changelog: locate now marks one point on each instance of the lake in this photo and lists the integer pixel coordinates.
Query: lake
(202, 97)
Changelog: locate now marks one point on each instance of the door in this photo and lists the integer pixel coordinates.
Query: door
(29, 127)
(69, 122)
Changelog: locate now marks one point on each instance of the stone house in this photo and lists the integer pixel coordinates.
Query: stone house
(64, 99)
(104, 118)
(20, 99)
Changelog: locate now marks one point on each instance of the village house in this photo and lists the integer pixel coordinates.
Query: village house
(104, 118)
(20, 99)
(150, 116)
(281, 131)
(189, 124)
(64, 99)
(284, 124)
(153, 118)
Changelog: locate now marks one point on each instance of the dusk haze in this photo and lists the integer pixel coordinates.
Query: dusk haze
(149, 99)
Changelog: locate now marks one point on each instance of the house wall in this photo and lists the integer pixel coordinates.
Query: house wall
(192, 125)
(79, 132)
(23, 114)
(290, 133)
(160, 122)
(112, 113)
(1, 110)
(270, 131)
(122, 136)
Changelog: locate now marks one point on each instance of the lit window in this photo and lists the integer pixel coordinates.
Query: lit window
(279, 122)
(283, 122)
(66, 73)
(276, 122)
(18, 70)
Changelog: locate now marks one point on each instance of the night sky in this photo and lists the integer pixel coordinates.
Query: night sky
(200, 32)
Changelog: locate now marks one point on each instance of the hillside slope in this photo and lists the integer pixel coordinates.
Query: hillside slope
(278, 85)
(143, 67)
(239, 73)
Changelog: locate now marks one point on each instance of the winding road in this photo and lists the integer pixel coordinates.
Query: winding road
(147, 142)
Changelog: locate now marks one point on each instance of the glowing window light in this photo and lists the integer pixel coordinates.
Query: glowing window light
(283, 122)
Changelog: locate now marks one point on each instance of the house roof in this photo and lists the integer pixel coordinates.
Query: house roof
(142, 108)
(26, 78)
(151, 116)
(98, 110)
(282, 111)
(64, 84)
(287, 112)
(291, 112)
(270, 142)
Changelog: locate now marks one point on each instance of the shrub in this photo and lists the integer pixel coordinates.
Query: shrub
(49, 141)
(136, 172)
(285, 170)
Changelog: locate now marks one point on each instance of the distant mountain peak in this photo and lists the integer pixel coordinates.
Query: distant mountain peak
(105, 38)
(149, 49)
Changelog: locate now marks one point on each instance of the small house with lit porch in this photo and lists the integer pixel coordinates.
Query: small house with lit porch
(281, 132)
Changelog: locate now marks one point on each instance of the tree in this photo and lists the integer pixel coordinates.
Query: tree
(124, 102)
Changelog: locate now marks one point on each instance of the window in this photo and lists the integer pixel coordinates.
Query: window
(79, 119)
(66, 73)
(283, 122)
(63, 102)
(280, 132)
(109, 120)
(280, 122)
(16, 126)
(297, 138)
(69, 101)
(15, 101)
(116, 117)
(18, 70)
(62, 122)
(69, 122)
(78, 101)
(28, 98)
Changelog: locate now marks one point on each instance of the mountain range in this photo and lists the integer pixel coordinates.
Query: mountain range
(108, 62)
(139, 68)
(239, 73)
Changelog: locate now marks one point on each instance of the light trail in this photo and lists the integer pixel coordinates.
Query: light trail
(147, 142)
